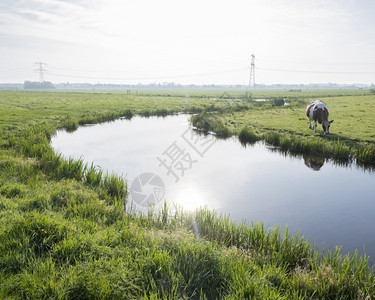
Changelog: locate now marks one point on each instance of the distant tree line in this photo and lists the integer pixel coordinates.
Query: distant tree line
(32, 85)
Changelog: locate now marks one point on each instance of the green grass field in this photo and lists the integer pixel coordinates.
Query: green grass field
(65, 233)
(354, 118)
(352, 134)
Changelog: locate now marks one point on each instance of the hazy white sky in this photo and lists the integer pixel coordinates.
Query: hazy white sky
(188, 41)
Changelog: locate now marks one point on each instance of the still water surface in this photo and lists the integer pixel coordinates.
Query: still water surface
(333, 205)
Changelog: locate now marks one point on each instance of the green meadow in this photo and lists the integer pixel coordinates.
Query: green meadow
(353, 119)
(65, 232)
(351, 138)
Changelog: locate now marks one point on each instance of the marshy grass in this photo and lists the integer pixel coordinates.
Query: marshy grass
(284, 251)
(115, 186)
(70, 125)
(93, 175)
(247, 136)
(335, 149)
(365, 154)
(209, 123)
(71, 168)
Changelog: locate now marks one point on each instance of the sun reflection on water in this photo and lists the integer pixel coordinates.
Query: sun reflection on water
(190, 198)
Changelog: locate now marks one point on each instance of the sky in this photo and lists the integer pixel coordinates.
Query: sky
(188, 41)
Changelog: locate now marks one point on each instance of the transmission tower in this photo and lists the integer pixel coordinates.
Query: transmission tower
(252, 72)
(41, 68)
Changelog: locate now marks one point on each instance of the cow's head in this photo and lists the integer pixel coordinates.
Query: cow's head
(326, 125)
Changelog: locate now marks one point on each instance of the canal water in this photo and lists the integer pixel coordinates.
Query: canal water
(165, 159)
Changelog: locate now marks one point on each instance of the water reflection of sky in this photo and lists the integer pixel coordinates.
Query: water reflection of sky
(334, 205)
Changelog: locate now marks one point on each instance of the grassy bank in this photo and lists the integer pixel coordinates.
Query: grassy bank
(65, 233)
(352, 136)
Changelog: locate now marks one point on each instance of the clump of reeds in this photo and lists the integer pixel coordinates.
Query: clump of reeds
(93, 175)
(208, 122)
(272, 138)
(246, 136)
(127, 114)
(317, 146)
(104, 117)
(161, 112)
(70, 125)
(341, 151)
(71, 168)
(115, 186)
(288, 251)
(365, 154)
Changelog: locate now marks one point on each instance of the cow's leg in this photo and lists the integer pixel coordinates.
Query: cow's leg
(309, 123)
(315, 126)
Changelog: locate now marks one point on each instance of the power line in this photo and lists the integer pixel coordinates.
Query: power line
(41, 68)
(149, 78)
(15, 69)
(81, 70)
(317, 72)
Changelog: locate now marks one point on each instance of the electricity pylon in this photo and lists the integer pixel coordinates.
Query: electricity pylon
(252, 72)
(40, 67)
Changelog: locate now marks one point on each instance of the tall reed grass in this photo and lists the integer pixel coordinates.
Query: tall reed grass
(335, 149)
(246, 136)
(208, 122)
(93, 175)
(287, 251)
(115, 186)
(35, 143)
(365, 154)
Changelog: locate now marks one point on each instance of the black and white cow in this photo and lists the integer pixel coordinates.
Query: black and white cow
(318, 111)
